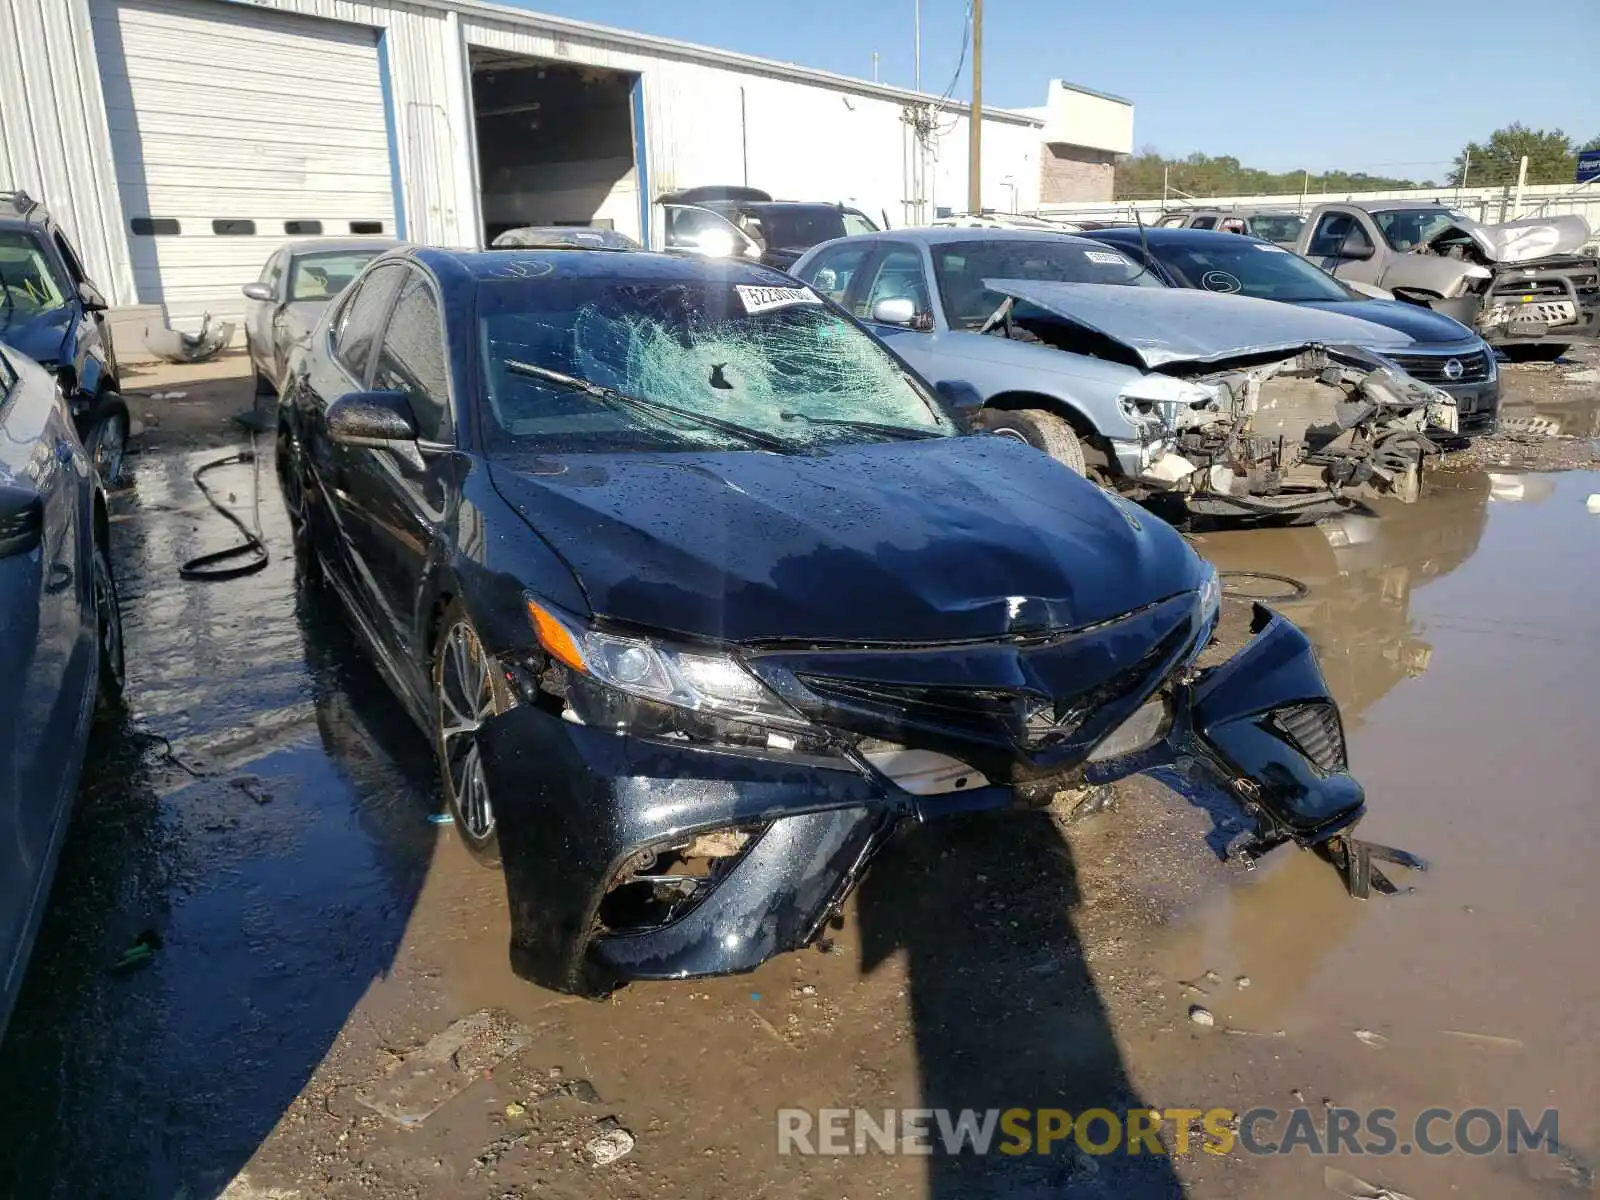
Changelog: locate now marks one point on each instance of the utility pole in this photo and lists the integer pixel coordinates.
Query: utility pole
(975, 119)
(916, 37)
(1166, 171)
(874, 66)
(1522, 180)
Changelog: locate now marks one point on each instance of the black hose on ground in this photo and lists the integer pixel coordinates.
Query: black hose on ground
(207, 567)
(1297, 590)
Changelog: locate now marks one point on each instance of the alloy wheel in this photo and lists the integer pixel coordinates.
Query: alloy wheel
(111, 440)
(108, 628)
(466, 699)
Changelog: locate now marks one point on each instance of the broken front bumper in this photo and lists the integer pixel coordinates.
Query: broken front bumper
(578, 807)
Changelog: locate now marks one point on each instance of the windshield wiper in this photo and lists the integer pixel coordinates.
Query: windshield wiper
(618, 399)
(903, 432)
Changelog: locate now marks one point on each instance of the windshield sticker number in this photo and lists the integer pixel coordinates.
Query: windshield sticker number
(1269, 249)
(1107, 258)
(764, 299)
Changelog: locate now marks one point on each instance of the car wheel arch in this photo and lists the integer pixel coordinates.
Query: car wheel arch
(1097, 449)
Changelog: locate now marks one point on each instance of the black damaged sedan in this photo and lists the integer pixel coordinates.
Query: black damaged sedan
(698, 593)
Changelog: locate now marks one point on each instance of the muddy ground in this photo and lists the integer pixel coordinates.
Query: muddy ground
(260, 824)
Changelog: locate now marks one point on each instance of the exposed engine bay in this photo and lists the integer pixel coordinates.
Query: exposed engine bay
(1263, 433)
(1323, 425)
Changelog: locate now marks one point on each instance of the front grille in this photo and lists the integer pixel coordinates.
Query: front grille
(1012, 720)
(1315, 731)
(1430, 368)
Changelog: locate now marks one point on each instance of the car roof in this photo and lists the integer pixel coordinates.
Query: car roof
(1128, 235)
(1373, 206)
(945, 235)
(336, 245)
(1243, 210)
(512, 263)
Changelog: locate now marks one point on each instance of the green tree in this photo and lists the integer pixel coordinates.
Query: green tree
(1551, 157)
(1142, 175)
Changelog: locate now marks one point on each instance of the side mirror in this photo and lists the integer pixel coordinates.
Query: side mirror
(382, 420)
(899, 311)
(93, 301)
(258, 291)
(21, 520)
(1355, 252)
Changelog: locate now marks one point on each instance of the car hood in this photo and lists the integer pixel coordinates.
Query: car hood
(1421, 324)
(1526, 239)
(958, 538)
(1161, 326)
(38, 335)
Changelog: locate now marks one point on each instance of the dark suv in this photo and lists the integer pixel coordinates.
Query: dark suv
(745, 222)
(52, 313)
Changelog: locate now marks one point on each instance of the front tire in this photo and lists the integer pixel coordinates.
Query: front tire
(107, 438)
(292, 489)
(108, 632)
(1040, 429)
(467, 691)
(1537, 352)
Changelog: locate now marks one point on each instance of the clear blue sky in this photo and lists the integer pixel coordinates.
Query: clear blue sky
(1352, 84)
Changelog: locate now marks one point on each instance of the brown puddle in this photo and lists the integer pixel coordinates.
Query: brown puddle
(1462, 637)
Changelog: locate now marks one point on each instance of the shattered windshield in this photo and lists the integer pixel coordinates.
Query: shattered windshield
(1408, 227)
(962, 267)
(1248, 268)
(772, 360)
(27, 285)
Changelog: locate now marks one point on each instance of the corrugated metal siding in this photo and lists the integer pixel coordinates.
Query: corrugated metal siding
(223, 112)
(54, 143)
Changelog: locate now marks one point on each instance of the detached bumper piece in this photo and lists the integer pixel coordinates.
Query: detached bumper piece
(1262, 730)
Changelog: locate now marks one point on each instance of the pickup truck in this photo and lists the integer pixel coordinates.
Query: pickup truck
(1525, 286)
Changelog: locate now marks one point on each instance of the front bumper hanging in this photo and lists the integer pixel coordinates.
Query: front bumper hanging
(581, 807)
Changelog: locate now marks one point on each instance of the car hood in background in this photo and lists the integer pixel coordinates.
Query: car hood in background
(931, 541)
(38, 335)
(1526, 239)
(1422, 324)
(1162, 326)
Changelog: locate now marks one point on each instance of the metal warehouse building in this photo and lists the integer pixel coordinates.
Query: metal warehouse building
(181, 141)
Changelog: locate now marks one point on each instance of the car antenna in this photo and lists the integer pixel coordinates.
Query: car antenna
(1144, 238)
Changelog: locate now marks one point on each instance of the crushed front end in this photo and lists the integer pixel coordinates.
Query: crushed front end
(670, 811)
(1294, 435)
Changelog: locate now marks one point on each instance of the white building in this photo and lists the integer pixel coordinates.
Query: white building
(180, 141)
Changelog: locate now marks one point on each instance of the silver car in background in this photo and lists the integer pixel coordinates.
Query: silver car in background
(1239, 407)
(60, 643)
(295, 285)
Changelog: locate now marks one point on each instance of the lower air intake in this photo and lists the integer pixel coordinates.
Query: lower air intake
(1314, 730)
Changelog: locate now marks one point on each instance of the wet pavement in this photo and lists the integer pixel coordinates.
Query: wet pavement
(261, 817)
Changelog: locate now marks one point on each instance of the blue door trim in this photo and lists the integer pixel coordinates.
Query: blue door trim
(390, 127)
(641, 170)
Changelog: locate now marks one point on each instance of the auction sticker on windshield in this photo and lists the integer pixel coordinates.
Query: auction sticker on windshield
(761, 299)
(1106, 257)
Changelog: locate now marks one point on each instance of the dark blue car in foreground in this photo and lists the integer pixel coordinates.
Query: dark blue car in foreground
(60, 643)
(698, 593)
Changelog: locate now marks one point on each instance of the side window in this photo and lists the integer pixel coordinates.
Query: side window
(855, 223)
(74, 268)
(1233, 225)
(412, 358)
(833, 270)
(899, 277)
(1203, 223)
(1335, 230)
(361, 319)
(273, 274)
(8, 376)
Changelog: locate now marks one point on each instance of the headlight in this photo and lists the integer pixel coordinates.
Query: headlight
(700, 681)
(1209, 605)
(1162, 396)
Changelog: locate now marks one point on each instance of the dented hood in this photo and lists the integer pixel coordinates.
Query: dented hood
(930, 541)
(1526, 239)
(1162, 326)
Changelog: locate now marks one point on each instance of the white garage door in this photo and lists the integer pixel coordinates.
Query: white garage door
(235, 129)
